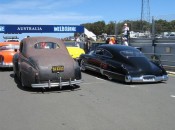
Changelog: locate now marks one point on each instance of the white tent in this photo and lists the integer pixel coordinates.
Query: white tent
(90, 34)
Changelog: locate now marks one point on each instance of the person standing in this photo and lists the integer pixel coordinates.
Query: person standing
(124, 41)
(126, 31)
(112, 40)
(107, 40)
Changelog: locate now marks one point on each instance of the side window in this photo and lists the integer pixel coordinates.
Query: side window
(103, 52)
(99, 52)
(107, 54)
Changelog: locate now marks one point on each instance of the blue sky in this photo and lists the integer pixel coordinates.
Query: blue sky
(75, 12)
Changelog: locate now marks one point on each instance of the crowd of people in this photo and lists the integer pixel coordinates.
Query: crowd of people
(124, 38)
(110, 40)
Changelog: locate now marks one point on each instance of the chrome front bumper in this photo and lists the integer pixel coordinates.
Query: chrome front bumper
(146, 78)
(59, 84)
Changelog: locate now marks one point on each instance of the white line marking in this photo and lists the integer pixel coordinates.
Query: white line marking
(93, 83)
(99, 78)
(173, 96)
(132, 86)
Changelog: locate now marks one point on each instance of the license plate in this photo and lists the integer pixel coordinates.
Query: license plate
(56, 69)
(148, 80)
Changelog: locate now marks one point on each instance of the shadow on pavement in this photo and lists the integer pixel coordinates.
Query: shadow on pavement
(45, 90)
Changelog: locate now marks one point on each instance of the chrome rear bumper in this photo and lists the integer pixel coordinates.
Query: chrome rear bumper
(59, 84)
(146, 78)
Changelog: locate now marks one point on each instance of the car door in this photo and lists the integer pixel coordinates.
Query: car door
(105, 59)
(94, 61)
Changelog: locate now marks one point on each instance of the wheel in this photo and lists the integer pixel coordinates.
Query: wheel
(14, 73)
(82, 66)
(21, 80)
(109, 77)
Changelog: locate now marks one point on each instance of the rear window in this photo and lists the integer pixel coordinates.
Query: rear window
(46, 45)
(9, 47)
(131, 53)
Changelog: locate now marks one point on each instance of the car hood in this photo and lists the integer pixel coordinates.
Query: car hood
(75, 52)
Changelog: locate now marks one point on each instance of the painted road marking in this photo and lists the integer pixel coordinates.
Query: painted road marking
(171, 75)
(132, 86)
(99, 78)
(93, 83)
(173, 96)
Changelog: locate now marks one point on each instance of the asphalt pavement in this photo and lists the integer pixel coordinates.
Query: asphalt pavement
(97, 104)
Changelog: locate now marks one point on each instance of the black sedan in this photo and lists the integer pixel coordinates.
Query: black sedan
(124, 63)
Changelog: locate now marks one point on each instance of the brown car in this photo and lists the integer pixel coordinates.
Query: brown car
(44, 62)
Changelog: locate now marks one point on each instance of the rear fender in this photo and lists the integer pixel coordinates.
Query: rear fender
(28, 73)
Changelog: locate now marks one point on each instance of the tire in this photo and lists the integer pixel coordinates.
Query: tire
(15, 75)
(109, 77)
(21, 80)
(82, 66)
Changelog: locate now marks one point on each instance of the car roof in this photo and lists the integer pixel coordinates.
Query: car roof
(28, 44)
(34, 40)
(116, 48)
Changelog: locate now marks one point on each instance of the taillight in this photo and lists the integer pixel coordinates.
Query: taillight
(36, 78)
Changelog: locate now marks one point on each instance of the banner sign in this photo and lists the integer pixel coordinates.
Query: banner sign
(41, 28)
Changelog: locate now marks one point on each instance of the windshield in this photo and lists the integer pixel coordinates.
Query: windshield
(9, 47)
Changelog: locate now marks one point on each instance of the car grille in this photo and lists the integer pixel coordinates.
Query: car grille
(149, 77)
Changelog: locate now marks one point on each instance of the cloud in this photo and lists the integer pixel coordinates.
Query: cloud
(44, 12)
(65, 18)
(20, 6)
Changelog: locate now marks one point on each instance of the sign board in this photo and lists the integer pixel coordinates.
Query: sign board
(8, 29)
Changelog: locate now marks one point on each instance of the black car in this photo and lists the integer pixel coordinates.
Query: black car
(123, 63)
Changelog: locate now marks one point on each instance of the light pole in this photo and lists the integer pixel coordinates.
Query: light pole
(115, 28)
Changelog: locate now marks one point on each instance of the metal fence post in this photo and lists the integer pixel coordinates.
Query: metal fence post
(153, 35)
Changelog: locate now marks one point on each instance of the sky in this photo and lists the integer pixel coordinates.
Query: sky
(76, 12)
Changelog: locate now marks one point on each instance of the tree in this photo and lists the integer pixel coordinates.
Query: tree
(110, 28)
(97, 28)
(100, 27)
